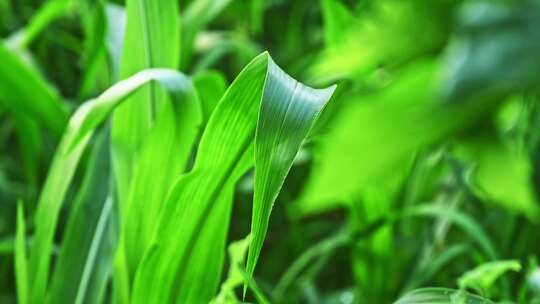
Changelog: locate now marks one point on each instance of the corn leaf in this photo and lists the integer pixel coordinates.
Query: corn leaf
(81, 127)
(198, 205)
(210, 86)
(167, 147)
(23, 90)
(83, 266)
(21, 267)
(46, 14)
(151, 40)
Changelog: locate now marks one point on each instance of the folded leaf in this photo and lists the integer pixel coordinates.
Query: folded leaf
(262, 118)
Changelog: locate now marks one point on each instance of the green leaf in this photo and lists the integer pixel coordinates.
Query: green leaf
(464, 221)
(46, 14)
(81, 127)
(197, 15)
(21, 267)
(116, 21)
(31, 147)
(385, 34)
(94, 56)
(163, 156)
(151, 40)
(485, 275)
(23, 90)
(375, 135)
(84, 263)
(257, 8)
(500, 174)
(435, 264)
(441, 296)
(7, 246)
(337, 20)
(210, 85)
(198, 205)
(237, 255)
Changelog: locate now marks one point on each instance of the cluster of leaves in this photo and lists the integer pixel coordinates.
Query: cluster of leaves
(141, 139)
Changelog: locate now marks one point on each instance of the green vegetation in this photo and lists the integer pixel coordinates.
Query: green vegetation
(228, 151)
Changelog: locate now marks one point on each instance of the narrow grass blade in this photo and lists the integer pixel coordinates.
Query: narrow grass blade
(436, 264)
(163, 156)
(46, 14)
(239, 129)
(84, 263)
(31, 147)
(462, 220)
(81, 127)
(97, 73)
(21, 268)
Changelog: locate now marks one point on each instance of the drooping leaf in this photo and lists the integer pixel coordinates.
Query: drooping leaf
(46, 14)
(81, 127)
(233, 140)
(24, 90)
(151, 40)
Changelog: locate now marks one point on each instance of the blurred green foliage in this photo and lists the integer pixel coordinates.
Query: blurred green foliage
(422, 171)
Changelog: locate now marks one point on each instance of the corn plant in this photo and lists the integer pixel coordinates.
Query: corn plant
(220, 151)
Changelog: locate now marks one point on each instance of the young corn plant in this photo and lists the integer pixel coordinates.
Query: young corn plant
(144, 143)
(162, 222)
